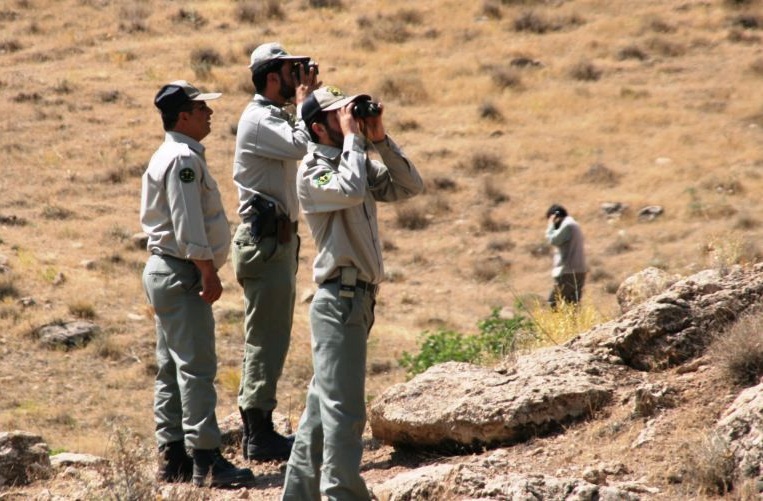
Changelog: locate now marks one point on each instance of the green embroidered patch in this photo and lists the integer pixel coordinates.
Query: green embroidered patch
(323, 180)
(187, 175)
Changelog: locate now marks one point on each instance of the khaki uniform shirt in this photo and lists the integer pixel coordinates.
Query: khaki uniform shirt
(338, 190)
(181, 209)
(268, 147)
(569, 256)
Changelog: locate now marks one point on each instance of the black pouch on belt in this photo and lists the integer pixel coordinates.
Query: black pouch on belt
(263, 223)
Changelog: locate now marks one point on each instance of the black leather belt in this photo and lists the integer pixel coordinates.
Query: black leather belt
(360, 285)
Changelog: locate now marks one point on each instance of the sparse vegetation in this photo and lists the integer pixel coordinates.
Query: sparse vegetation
(411, 216)
(202, 61)
(585, 71)
(254, 12)
(710, 465)
(495, 340)
(565, 322)
(739, 350)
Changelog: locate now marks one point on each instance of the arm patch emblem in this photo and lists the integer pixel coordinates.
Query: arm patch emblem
(323, 180)
(187, 175)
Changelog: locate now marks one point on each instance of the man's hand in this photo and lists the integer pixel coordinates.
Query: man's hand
(305, 83)
(373, 128)
(347, 121)
(211, 287)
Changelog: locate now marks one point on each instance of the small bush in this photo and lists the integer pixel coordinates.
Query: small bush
(329, 4)
(739, 350)
(411, 217)
(565, 322)
(711, 464)
(757, 66)
(82, 309)
(190, 17)
(534, 23)
(406, 90)
(443, 183)
(56, 212)
(585, 71)
(483, 162)
(666, 47)
(632, 52)
(253, 12)
(485, 270)
(133, 19)
(488, 224)
(506, 78)
(599, 173)
(491, 9)
(8, 46)
(495, 340)
(125, 476)
(202, 61)
(8, 288)
(489, 111)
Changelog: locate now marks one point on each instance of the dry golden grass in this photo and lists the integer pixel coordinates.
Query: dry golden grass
(675, 116)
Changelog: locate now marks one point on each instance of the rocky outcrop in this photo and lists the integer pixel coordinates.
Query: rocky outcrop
(456, 406)
(677, 324)
(23, 458)
(741, 429)
(641, 286)
(491, 477)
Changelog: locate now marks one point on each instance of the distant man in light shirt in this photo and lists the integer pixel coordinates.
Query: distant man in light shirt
(269, 143)
(569, 271)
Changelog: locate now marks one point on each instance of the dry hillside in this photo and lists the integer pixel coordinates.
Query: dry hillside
(506, 106)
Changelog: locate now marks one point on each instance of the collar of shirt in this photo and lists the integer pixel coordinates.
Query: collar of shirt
(177, 137)
(330, 153)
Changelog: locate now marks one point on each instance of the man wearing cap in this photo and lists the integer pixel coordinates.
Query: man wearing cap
(269, 142)
(188, 237)
(569, 270)
(338, 186)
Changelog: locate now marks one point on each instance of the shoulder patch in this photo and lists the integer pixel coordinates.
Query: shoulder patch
(187, 175)
(323, 180)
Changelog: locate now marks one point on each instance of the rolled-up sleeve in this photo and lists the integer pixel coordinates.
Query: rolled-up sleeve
(184, 199)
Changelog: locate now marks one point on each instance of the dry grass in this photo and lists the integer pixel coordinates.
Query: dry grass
(677, 111)
(739, 350)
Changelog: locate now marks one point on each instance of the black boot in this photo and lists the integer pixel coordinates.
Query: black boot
(224, 474)
(175, 465)
(265, 444)
(244, 433)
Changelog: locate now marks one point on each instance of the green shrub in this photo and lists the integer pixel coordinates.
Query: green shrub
(495, 339)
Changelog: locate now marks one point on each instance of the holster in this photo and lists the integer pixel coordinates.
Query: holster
(263, 221)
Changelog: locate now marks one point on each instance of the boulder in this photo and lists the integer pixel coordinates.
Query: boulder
(641, 286)
(677, 324)
(67, 335)
(23, 458)
(458, 406)
(67, 459)
(741, 429)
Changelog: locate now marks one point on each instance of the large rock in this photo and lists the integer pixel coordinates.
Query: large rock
(491, 478)
(677, 324)
(641, 286)
(455, 406)
(23, 458)
(67, 335)
(741, 428)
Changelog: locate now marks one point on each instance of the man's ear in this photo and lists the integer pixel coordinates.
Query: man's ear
(318, 128)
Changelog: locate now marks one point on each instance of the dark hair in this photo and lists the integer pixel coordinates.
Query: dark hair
(260, 74)
(557, 210)
(320, 118)
(170, 118)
